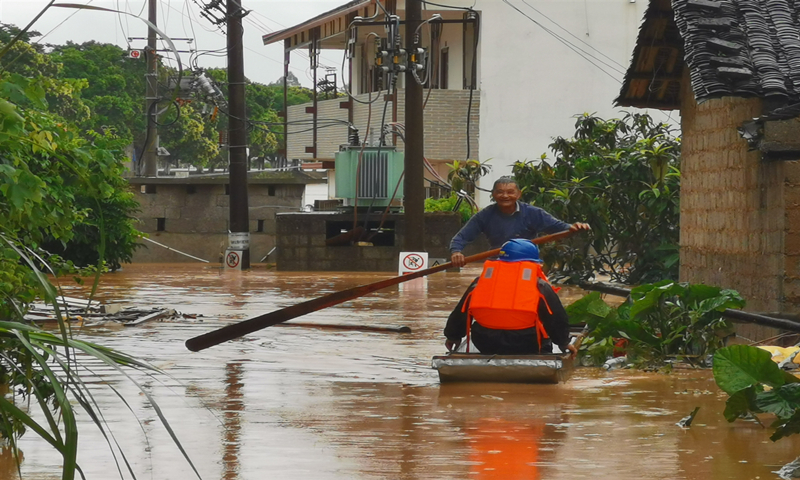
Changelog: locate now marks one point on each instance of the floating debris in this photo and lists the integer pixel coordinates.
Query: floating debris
(618, 362)
(93, 313)
(686, 422)
(790, 470)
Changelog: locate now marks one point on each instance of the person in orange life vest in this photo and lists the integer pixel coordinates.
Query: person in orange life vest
(515, 310)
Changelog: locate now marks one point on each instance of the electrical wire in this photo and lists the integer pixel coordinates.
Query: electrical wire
(119, 18)
(569, 45)
(571, 34)
(454, 7)
(217, 32)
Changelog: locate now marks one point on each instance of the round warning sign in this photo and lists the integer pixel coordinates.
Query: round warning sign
(413, 261)
(233, 259)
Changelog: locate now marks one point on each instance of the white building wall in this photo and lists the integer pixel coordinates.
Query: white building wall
(531, 84)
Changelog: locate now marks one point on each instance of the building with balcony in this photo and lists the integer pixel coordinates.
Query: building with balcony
(503, 77)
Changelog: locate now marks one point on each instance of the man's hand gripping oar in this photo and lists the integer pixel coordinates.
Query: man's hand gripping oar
(236, 330)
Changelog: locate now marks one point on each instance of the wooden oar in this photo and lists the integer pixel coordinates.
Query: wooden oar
(236, 330)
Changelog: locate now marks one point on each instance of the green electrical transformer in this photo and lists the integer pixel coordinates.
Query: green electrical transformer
(374, 181)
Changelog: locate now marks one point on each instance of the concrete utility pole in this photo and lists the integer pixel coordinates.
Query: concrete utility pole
(414, 188)
(151, 138)
(239, 237)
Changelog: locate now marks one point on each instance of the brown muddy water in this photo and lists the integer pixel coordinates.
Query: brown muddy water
(304, 403)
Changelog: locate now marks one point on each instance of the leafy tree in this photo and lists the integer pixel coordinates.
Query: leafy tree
(192, 139)
(622, 177)
(56, 188)
(464, 174)
(114, 88)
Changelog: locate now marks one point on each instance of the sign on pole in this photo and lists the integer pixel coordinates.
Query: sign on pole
(239, 240)
(411, 262)
(233, 259)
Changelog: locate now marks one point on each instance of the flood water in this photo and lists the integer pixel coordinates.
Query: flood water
(307, 403)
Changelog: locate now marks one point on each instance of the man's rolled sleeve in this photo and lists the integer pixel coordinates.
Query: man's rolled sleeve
(466, 235)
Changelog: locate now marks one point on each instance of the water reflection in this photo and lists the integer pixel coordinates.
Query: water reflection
(233, 407)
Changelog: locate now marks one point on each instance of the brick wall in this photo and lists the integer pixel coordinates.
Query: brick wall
(739, 214)
(791, 286)
(197, 223)
(444, 116)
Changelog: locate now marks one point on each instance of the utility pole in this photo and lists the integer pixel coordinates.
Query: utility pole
(151, 137)
(239, 236)
(414, 188)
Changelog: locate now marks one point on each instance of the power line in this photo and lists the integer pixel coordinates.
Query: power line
(585, 55)
(217, 32)
(571, 34)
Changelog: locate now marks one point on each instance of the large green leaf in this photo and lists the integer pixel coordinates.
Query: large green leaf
(740, 366)
(783, 402)
(786, 428)
(739, 404)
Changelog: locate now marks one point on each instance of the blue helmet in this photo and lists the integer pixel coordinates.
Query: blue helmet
(518, 250)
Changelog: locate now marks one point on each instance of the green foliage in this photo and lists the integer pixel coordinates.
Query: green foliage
(56, 188)
(662, 321)
(44, 369)
(114, 87)
(622, 177)
(757, 385)
(464, 174)
(447, 205)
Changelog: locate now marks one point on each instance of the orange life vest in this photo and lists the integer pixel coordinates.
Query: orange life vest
(507, 297)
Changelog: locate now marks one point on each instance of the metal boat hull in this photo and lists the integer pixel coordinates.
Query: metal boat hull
(469, 367)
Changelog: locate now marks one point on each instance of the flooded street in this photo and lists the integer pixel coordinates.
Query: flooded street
(308, 403)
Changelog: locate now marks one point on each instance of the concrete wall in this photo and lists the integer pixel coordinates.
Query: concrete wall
(444, 118)
(740, 215)
(302, 236)
(197, 223)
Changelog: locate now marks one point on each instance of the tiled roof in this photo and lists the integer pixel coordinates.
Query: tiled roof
(741, 48)
(654, 77)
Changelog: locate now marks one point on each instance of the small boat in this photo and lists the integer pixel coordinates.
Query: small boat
(475, 367)
(460, 366)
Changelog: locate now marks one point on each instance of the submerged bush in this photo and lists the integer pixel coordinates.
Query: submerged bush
(658, 323)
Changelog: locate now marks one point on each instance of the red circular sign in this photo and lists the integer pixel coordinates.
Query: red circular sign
(232, 259)
(412, 261)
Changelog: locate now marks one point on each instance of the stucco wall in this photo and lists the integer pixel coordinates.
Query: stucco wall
(739, 214)
(532, 84)
(197, 223)
(444, 119)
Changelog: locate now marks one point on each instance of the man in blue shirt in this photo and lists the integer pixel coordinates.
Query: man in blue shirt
(507, 218)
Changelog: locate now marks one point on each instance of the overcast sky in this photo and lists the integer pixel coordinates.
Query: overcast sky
(180, 19)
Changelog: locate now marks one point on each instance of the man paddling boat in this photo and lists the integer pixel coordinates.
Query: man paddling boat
(506, 219)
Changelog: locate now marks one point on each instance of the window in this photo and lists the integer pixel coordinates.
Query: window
(191, 189)
(271, 190)
(260, 227)
(148, 189)
(161, 224)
